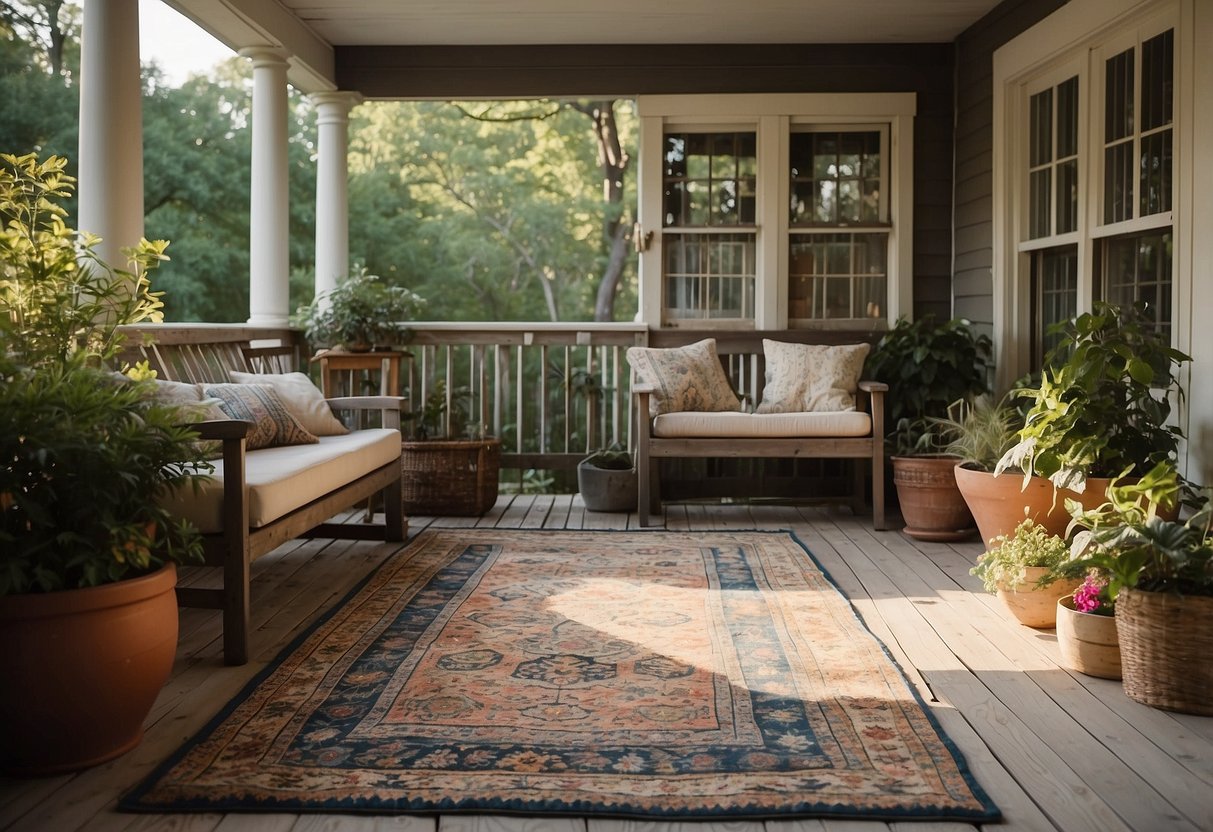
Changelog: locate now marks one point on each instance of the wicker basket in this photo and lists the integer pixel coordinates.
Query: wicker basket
(1165, 644)
(450, 477)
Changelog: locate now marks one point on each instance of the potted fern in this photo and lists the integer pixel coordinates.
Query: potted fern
(88, 615)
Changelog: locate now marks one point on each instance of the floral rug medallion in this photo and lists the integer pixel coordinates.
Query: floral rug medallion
(629, 674)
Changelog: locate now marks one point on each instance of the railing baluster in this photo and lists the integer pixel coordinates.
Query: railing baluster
(543, 399)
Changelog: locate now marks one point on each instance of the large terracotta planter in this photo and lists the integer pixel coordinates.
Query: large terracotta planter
(1087, 642)
(1165, 644)
(81, 670)
(931, 503)
(999, 503)
(1034, 605)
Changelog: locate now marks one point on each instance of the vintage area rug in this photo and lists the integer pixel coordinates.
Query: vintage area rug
(630, 674)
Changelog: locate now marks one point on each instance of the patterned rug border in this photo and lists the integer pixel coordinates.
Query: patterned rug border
(129, 802)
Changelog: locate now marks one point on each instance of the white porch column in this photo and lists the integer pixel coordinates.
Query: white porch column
(269, 225)
(111, 128)
(332, 187)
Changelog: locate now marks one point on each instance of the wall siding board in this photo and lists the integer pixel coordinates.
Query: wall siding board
(973, 288)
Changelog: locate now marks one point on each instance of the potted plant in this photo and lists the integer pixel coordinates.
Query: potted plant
(1021, 571)
(449, 466)
(361, 312)
(1086, 629)
(928, 367)
(88, 615)
(606, 480)
(1160, 574)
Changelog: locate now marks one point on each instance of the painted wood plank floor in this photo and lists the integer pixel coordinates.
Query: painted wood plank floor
(1056, 750)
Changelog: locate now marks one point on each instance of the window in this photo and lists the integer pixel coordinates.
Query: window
(708, 230)
(837, 182)
(775, 210)
(1054, 296)
(1138, 168)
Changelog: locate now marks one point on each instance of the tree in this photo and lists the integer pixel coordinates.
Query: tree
(51, 28)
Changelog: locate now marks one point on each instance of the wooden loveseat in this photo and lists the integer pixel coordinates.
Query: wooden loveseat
(257, 500)
(836, 435)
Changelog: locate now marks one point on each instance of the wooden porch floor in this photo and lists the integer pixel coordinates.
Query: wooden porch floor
(1055, 750)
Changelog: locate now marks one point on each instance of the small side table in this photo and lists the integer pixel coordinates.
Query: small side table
(359, 366)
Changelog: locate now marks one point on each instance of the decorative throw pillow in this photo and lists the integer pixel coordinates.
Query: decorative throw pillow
(811, 377)
(302, 398)
(187, 399)
(259, 404)
(687, 378)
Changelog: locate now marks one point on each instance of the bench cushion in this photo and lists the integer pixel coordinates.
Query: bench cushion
(842, 423)
(282, 479)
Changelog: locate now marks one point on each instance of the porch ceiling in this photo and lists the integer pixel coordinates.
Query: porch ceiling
(314, 31)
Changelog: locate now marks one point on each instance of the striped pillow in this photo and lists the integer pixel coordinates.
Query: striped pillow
(261, 405)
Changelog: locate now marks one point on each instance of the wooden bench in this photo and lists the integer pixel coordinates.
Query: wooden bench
(741, 355)
(208, 353)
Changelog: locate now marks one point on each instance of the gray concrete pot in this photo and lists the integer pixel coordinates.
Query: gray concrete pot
(606, 489)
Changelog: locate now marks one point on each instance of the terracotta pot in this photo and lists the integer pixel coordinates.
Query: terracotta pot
(931, 504)
(1165, 644)
(1087, 642)
(607, 489)
(999, 503)
(82, 669)
(1034, 605)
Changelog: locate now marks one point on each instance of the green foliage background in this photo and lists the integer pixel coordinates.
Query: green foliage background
(490, 211)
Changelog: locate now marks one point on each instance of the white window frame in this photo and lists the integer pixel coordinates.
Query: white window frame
(772, 116)
(1080, 35)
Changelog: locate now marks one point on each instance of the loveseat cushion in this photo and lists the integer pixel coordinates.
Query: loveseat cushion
(763, 425)
(281, 479)
(811, 377)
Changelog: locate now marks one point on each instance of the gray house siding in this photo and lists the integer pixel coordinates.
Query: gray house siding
(972, 278)
(637, 69)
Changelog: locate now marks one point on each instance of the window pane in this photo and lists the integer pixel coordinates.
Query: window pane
(1067, 118)
(1041, 129)
(709, 276)
(1067, 197)
(842, 175)
(1157, 80)
(1054, 296)
(1038, 211)
(1138, 268)
(1118, 97)
(837, 276)
(709, 179)
(1156, 165)
(1118, 182)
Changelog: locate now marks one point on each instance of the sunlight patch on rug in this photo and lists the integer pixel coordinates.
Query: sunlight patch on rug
(629, 674)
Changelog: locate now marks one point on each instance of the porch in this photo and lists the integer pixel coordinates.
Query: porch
(1055, 749)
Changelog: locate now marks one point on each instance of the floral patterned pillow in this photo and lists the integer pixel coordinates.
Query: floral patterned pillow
(811, 377)
(688, 378)
(261, 405)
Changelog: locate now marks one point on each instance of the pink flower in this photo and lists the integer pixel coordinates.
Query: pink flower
(1090, 596)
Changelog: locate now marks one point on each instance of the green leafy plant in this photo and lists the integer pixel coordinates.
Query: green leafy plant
(978, 432)
(615, 457)
(1129, 540)
(927, 367)
(360, 312)
(1007, 561)
(442, 415)
(1102, 403)
(85, 453)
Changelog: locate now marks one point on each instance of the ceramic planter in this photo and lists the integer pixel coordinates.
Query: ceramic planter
(931, 502)
(998, 503)
(1165, 644)
(1034, 605)
(82, 669)
(607, 489)
(1087, 642)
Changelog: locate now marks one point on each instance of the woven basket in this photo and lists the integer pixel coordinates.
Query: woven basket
(450, 477)
(1165, 644)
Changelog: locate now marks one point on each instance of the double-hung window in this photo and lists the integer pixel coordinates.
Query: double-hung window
(776, 211)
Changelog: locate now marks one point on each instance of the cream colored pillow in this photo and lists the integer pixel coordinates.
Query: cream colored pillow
(302, 398)
(688, 378)
(811, 377)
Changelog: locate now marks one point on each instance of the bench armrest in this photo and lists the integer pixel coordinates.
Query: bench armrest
(644, 388)
(873, 387)
(389, 406)
(222, 428)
